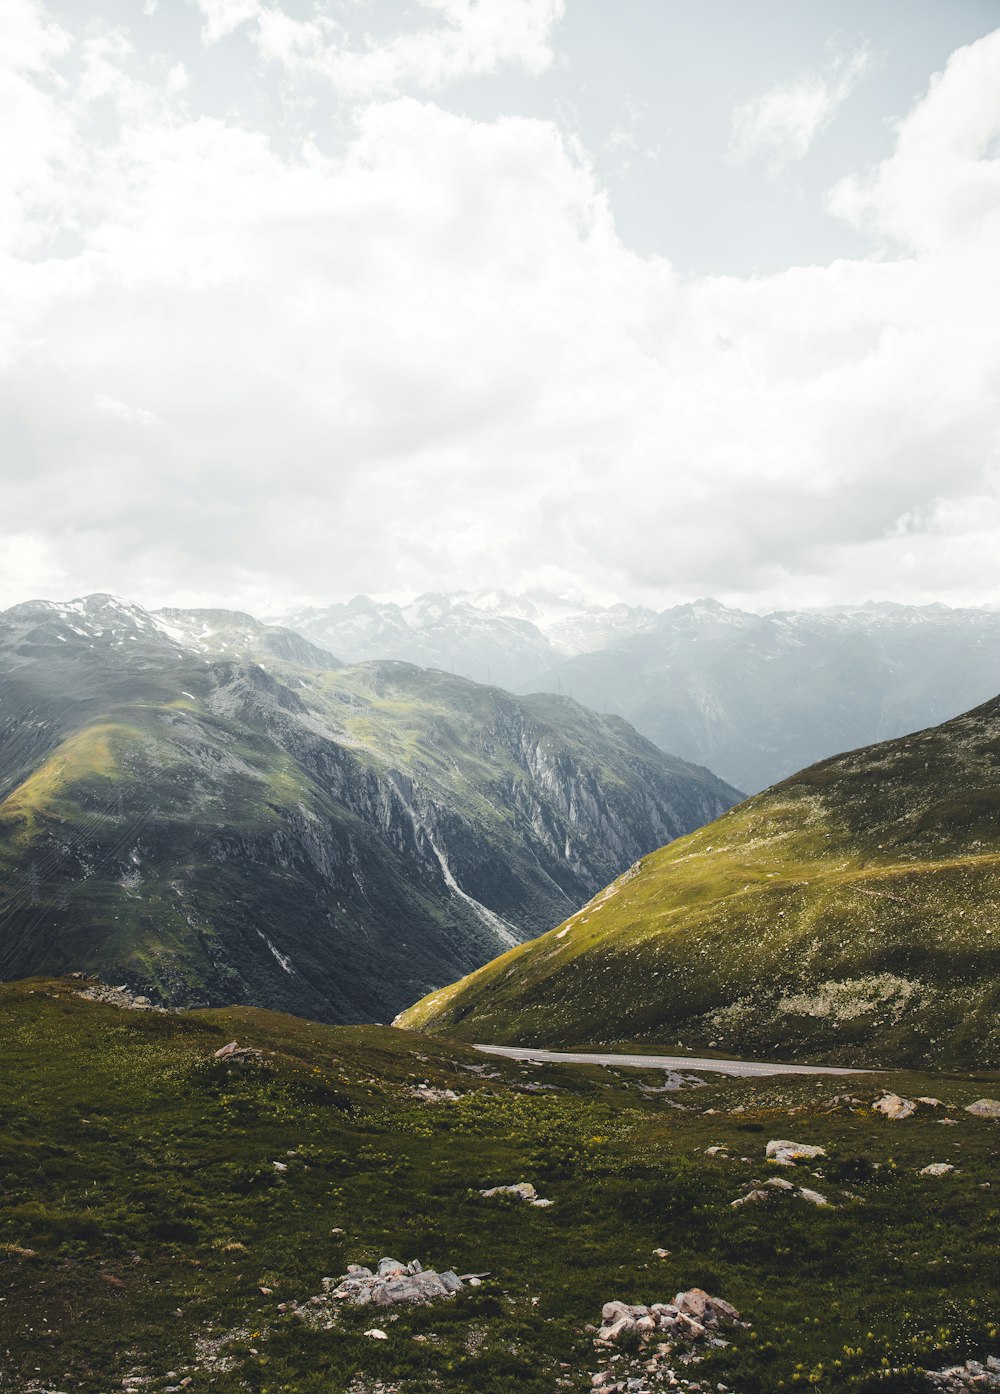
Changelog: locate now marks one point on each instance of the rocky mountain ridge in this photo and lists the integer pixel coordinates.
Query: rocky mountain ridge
(211, 809)
(752, 696)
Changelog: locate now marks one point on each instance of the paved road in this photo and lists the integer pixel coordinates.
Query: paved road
(665, 1062)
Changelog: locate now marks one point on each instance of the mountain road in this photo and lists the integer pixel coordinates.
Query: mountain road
(747, 1068)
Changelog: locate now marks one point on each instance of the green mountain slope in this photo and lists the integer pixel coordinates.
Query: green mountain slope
(213, 811)
(851, 913)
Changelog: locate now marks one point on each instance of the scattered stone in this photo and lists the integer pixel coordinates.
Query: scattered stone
(662, 1253)
(376, 1334)
(235, 1054)
(280, 1166)
(984, 1108)
(930, 1103)
(427, 1094)
(692, 1316)
(937, 1169)
(972, 1375)
(813, 1197)
(894, 1106)
(715, 1151)
(392, 1283)
(524, 1190)
(786, 1154)
(116, 996)
(779, 1183)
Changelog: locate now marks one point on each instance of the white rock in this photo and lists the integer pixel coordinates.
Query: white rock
(984, 1108)
(613, 1311)
(786, 1153)
(813, 1197)
(937, 1169)
(524, 1190)
(376, 1334)
(894, 1106)
(623, 1326)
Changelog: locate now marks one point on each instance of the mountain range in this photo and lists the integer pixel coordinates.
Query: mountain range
(212, 809)
(753, 697)
(849, 913)
(489, 636)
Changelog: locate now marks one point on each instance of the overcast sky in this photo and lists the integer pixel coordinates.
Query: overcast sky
(303, 298)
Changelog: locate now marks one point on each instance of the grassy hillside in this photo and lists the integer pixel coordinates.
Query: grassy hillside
(215, 811)
(148, 1235)
(850, 913)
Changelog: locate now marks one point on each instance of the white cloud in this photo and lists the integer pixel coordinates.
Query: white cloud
(941, 185)
(429, 361)
(782, 123)
(135, 415)
(471, 39)
(222, 17)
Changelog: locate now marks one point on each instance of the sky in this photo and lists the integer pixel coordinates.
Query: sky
(306, 298)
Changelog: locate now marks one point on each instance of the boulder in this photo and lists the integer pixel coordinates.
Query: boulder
(613, 1311)
(937, 1169)
(692, 1303)
(420, 1287)
(724, 1311)
(751, 1198)
(524, 1190)
(813, 1197)
(984, 1108)
(785, 1153)
(894, 1106)
(617, 1329)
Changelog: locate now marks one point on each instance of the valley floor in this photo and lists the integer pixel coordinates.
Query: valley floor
(169, 1215)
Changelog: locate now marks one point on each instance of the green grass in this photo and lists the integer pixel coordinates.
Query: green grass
(142, 1212)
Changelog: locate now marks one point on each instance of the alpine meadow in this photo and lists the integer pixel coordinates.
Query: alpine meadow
(499, 697)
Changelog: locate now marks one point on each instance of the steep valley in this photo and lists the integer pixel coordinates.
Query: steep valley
(849, 914)
(214, 810)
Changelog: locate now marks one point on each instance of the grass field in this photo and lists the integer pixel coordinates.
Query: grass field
(142, 1211)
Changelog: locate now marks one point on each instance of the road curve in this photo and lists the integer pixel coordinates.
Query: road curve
(665, 1062)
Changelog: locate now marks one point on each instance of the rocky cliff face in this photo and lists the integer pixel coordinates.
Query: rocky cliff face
(208, 821)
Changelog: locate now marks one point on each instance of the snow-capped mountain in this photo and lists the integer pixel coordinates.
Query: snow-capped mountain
(489, 636)
(753, 697)
(756, 697)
